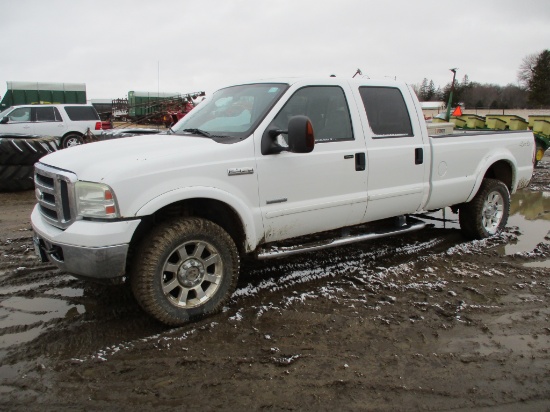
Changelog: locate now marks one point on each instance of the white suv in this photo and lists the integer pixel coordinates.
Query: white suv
(69, 122)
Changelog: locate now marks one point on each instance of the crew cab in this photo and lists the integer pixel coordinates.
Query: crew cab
(69, 122)
(264, 170)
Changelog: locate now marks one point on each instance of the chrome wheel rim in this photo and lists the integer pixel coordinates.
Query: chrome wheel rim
(493, 212)
(73, 141)
(539, 155)
(192, 274)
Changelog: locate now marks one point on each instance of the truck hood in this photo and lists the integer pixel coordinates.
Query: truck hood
(117, 159)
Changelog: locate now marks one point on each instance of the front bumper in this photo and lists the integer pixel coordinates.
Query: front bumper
(86, 248)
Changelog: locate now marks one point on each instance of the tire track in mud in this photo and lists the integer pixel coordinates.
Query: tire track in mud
(39, 304)
(45, 312)
(409, 323)
(25, 309)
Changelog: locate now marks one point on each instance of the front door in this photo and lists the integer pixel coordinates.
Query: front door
(19, 121)
(302, 193)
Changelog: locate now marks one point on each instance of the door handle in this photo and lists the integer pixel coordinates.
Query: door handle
(418, 156)
(360, 162)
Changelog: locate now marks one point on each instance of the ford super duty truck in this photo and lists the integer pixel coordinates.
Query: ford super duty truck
(264, 170)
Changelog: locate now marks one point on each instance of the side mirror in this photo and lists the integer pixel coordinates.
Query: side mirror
(301, 138)
(4, 120)
(271, 141)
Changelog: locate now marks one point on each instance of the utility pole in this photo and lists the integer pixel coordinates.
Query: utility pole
(448, 116)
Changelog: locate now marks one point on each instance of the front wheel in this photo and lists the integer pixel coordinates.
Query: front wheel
(487, 213)
(186, 268)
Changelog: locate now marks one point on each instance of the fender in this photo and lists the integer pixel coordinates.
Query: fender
(250, 216)
(499, 154)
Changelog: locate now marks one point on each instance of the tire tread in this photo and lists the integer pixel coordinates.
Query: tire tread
(149, 257)
(470, 213)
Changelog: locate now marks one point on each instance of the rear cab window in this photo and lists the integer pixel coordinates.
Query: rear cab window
(80, 113)
(386, 112)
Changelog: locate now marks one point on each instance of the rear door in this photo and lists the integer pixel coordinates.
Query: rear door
(398, 153)
(48, 121)
(82, 118)
(302, 193)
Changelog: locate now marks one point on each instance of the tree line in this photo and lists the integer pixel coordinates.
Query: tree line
(531, 92)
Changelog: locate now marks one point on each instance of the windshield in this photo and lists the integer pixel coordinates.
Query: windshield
(4, 113)
(231, 112)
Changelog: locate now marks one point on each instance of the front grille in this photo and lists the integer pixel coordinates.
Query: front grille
(55, 194)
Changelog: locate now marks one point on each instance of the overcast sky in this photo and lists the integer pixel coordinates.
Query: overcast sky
(185, 46)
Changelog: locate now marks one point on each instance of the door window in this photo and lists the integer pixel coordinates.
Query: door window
(386, 111)
(77, 113)
(326, 107)
(45, 114)
(21, 114)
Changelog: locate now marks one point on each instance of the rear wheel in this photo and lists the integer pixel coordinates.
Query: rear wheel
(186, 268)
(539, 154)
(487, 213)
(72, 140)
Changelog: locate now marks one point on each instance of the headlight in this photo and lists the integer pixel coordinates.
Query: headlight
(95, 200)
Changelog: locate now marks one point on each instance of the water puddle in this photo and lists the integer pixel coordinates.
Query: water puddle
(485, 345)
(25, 318)
(529, 211)
(66, 292)
(442, 219)
(497, 340)
(545, 264)
(27, 286)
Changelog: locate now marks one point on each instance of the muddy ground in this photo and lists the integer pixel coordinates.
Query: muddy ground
(426, 321)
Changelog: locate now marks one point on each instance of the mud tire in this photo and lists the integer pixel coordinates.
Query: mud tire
(539, 154)
(25, 151)
(487, 213)
(16, 177)
(184, 269)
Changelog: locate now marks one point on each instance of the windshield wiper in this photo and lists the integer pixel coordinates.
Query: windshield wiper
(200, 132)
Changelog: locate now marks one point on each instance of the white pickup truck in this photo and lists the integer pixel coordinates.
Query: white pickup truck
(255, 170)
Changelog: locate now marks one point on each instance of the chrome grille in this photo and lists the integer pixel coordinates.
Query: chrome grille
(55, 194)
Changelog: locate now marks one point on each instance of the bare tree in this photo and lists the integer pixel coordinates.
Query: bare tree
(527, 69)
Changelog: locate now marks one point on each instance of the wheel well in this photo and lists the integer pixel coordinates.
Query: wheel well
(69, 133)
(501, 170)
(213, 210)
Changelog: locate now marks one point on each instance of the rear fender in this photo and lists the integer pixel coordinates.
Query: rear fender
(507, 175)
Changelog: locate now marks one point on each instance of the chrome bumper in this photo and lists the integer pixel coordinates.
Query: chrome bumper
(86, 248)
(92, 262)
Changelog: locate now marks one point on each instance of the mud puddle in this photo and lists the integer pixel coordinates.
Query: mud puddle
(529, 213)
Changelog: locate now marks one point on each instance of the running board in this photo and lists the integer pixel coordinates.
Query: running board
(280, 251)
